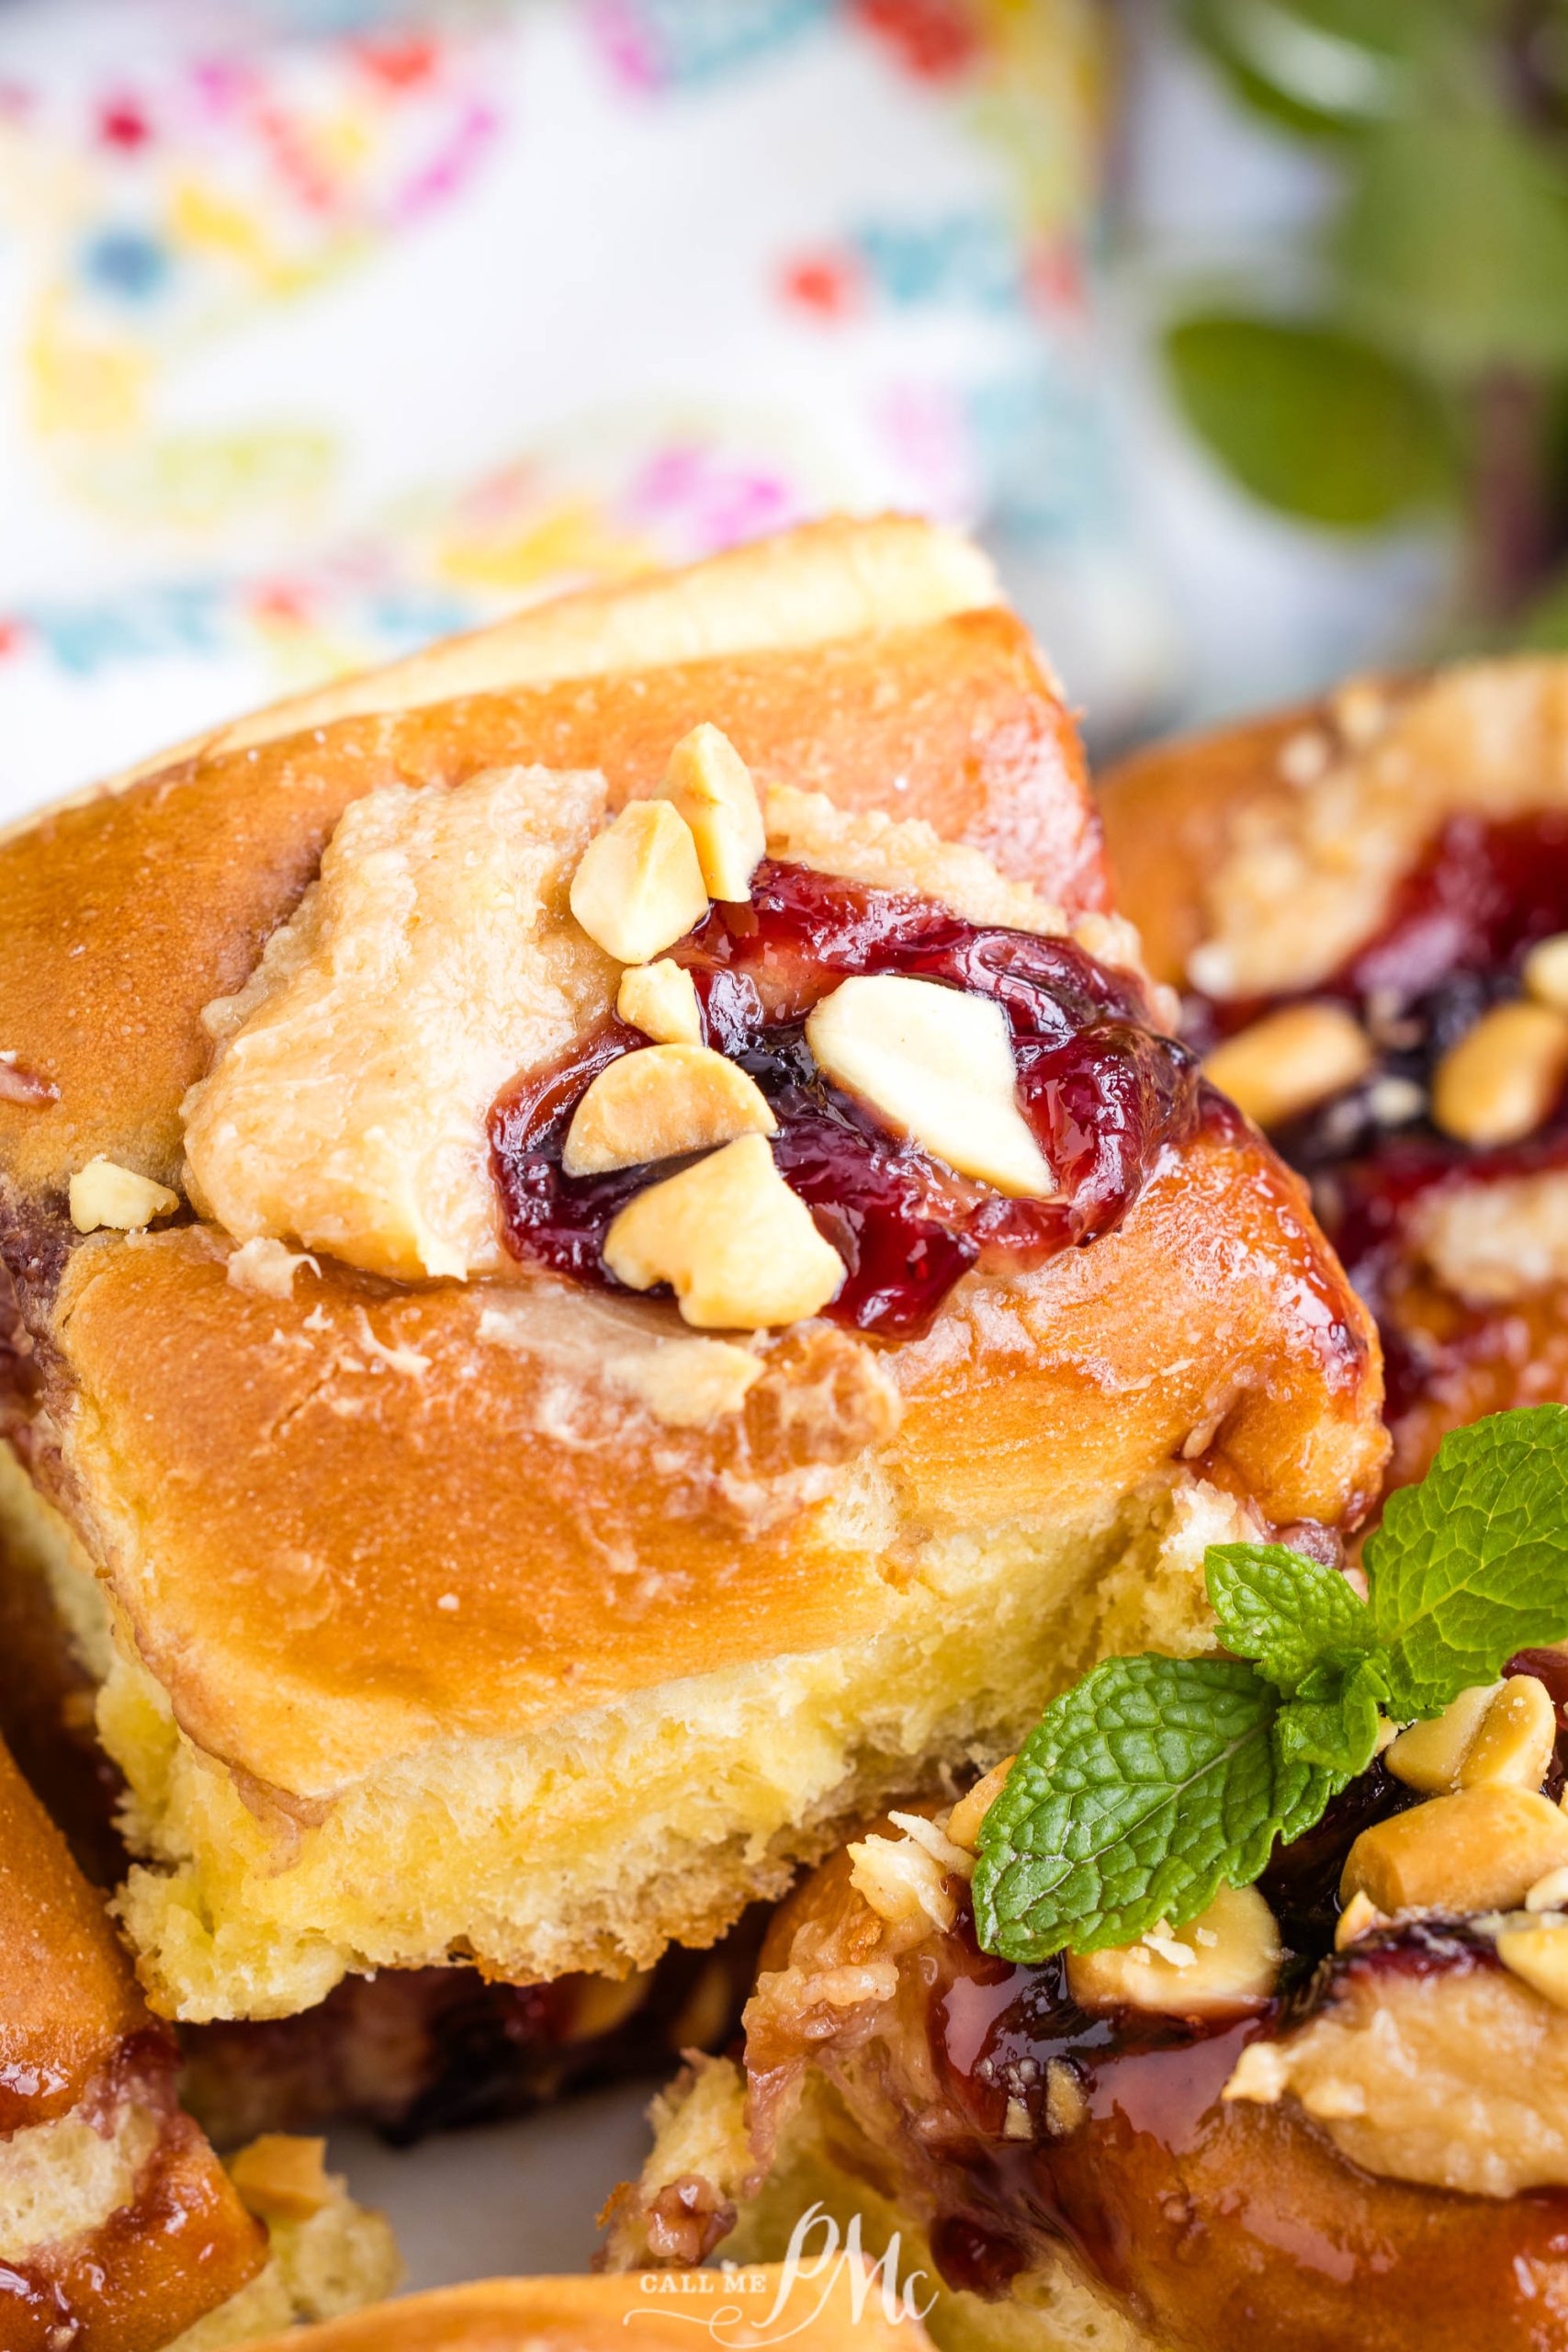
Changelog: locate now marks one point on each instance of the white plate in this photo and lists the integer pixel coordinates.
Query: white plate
(510, 2198)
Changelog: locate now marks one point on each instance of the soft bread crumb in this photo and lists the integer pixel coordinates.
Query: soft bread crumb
(61, 2180)
(435, 957)
(267, 1267)
(636, 1822)
(335, 2259)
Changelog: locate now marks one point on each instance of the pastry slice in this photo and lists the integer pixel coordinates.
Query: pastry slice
(119, 2229)
(610, 1271)
(1329, 2105)
(830, 2301)
(1366, 906)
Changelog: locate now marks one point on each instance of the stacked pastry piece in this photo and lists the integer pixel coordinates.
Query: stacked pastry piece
(451, 1590)
(119, 2229)
(829, 2303)
(1326, 2095)
(1366, 906)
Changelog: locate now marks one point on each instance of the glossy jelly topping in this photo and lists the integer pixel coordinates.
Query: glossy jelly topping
(1102, 1092)
(1457, 934)
(1106, 2130)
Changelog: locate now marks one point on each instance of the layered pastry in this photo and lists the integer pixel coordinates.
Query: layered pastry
(119, 2229)
(1331, 2108)
(612, 1265)
(1366, 906)
(828, 2304)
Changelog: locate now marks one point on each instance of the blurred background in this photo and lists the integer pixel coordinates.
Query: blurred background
(1238, 329)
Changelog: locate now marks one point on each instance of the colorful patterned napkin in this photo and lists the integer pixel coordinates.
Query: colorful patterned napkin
(324, 330)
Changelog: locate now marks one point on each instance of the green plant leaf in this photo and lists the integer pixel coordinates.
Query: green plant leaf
(1473, 1563)
(1141, 1791)
(1310, 420)
(1453, 243)
(1313, 66)
(1290, 1614)
(1333, 1720)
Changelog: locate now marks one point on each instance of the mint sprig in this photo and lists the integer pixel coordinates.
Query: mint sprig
(1154, 1782)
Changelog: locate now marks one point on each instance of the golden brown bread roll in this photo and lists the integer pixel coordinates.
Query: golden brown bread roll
(1359, 898)
(506, 1617)
(119, 2229)
(843, 2307)
(1286, 2128)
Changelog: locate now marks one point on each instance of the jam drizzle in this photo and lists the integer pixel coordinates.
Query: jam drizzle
(1103, 1095)
(1458, 931)
(998, 2029)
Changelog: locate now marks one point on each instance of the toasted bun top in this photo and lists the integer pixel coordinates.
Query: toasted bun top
(130, 910)
(67, 1995)
(345, 1518)
(1271, 849)
(842, 2306)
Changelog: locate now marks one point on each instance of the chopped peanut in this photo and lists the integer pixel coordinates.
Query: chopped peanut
(711, 785)
(600, 2003)
(103, 1193)
(903, 1883)
(1479, 1850)
(1513, 1747)
(1431, 1756)
(1539, 1955)
(639, 887)
(1360, 1917)
(660, 1102)
(738, 1248)
(1290, 1061)
(662, 1001)
(1224, 1962)
(280, 2177)
(938, 1067)
(1501, 1081)
(963, 1821)
(1546, 971)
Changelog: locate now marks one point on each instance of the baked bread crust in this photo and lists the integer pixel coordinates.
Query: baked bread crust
(1254, 859)
(411, 1582)
(843, 2307)
(139, 2231)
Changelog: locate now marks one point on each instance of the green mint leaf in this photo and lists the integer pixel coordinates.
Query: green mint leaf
(1332, 1722)
(1473, 1563)
(1289, 1614)
(1142, 1790)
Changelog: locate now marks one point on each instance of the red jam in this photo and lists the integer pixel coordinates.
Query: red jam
(1457, 935)
(1102, 1092)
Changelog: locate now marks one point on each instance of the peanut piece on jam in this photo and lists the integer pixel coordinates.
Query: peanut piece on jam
(1539, 1955)
(1223, 1964)
(281, 2177)
(937, 1065)
(639, 887)
(740, 1249)
(1480, 1849)
(103, 1193)
(963, 1821)
(1290, 1061)
(1431, 1756)
(1501, 1081)
(660, 1102)
(662, 1001)
(711, 785)
(1513, 1747)
(1546, 971)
